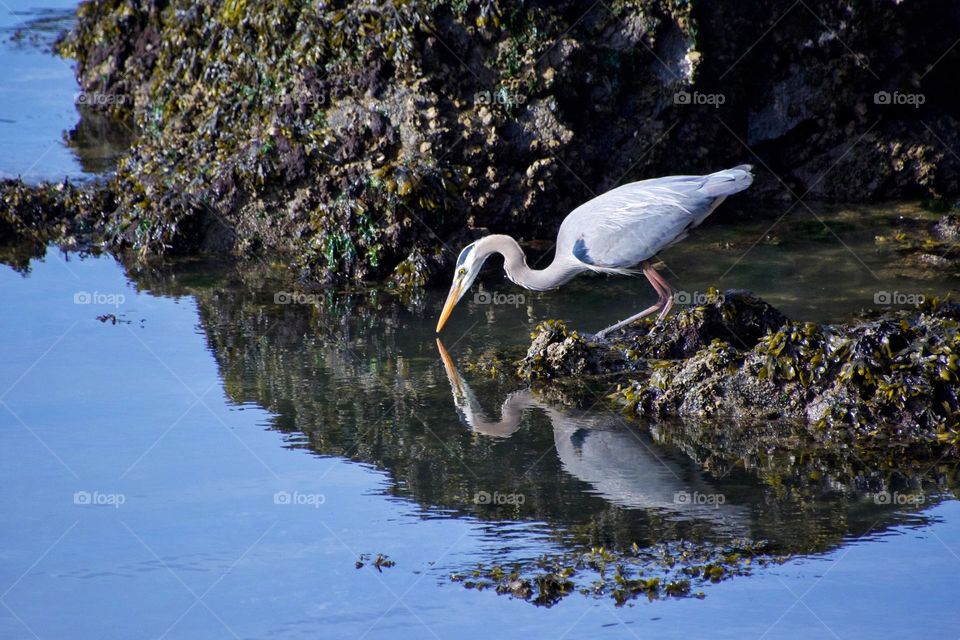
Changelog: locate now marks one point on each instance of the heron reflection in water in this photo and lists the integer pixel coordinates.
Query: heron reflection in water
(599, 449)
(612, 233)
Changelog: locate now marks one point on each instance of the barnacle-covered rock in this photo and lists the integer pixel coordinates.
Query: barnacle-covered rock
(734, 316)
(896, 375)
(947, 228)
(556, 353)
(343, 136)
(890, 377)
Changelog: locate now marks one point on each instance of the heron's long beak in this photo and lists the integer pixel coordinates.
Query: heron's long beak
(450, 368)
(451, 302)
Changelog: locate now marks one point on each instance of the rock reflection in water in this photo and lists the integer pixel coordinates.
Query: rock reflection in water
(599, 448)
(358, 376)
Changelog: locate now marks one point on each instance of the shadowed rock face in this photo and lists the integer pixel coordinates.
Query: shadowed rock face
(351, 137)
(890, 378)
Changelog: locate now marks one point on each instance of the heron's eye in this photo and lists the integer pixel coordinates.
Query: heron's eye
(462, 272)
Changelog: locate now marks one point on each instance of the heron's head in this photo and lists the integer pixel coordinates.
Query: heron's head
(469, 263)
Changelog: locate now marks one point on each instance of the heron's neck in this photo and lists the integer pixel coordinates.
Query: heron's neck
(559, 272)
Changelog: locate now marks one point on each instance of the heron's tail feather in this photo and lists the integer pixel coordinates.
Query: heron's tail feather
(729, 181)
(615, 271)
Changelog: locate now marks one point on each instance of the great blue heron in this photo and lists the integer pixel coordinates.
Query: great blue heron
(612, 233)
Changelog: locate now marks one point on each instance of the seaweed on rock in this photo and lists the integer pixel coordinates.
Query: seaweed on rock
(888, 378)
(354, 140)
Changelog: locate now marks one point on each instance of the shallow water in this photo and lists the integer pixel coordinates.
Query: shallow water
(188, 417)
(42, 133)
(190, 450)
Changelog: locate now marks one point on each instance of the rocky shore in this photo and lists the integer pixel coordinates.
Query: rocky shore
(888, 379)
(354, 141)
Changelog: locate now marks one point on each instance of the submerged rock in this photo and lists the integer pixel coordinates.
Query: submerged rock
(924, 250)
(948, 228)
(890, 376)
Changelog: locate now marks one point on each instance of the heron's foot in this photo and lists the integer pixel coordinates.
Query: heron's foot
(604, 335)
(663, 306)
(600, 336)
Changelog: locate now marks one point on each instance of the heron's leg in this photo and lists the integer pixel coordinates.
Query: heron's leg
(664, 295)
(665, 290)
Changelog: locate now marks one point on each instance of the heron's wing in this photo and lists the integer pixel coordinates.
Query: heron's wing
(630, 224)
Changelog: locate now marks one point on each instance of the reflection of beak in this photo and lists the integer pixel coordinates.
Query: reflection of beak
(451, 369)
(448, 306)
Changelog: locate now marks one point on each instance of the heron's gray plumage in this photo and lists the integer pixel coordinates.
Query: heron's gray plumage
(632, 223)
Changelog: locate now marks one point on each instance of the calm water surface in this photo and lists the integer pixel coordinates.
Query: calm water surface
(185, 456)
(43, 135)
(245, 454)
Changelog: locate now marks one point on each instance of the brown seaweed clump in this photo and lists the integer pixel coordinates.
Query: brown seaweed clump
(888, 377)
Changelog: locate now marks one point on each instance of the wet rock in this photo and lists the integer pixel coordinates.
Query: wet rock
(933, 260)
(921, 250)
(734, 316)
(948, 228)
(342, 138)
(555, 353)
(887, 377)
(786, 107)
(895, 375)
(63, 213)
(517, 588)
